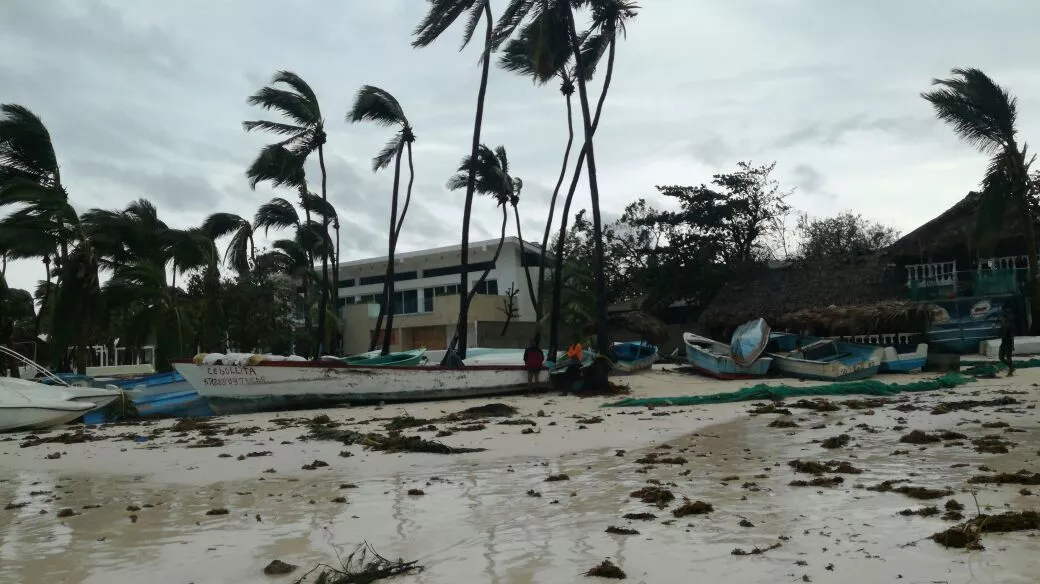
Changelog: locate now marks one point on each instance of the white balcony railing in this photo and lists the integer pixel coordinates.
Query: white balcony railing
(932, 274)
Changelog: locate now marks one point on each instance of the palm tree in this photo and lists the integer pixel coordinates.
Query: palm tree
(303, 135)
(373, 104)
(984, 115)
(534, 54)
(46, 226)
(514, 201)
(608, 19)
(494, 180)
(241, 249)
(442, 14)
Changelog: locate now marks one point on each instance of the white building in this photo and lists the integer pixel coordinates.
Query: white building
(426, 296)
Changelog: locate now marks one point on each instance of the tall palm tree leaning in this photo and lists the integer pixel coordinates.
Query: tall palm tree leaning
(440, 17)
(241, 249)
(304, 134)
(494, 180)
(373, 104)
(984, 115)
(534, 54)
(608, 19)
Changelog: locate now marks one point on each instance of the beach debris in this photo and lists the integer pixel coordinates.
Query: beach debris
(995, 425)
(922, 512)
(208, 442)
(692, 508)
(968, 535)
(607, 569)
(919, 437)
(347, 486)
(77, 437)
(818, 482)
(621, 530)
(529, 431)
(363, 566)
(818, 405)
(839, 441)
(133, 508)
(654, 495)
(279, 568)
(745, 523)
(416, 492)
(315, 465)
(951, 435)
(819, 468)
(557, 477)
(393, 442)
(910, 491)
(947, 407)
(405, 422)
(865, 403)
(520, 422)
(66, 512)
(533, 493)
(340, 500)
(469, 428)
(754, 551)
(992, 444)
(639, 516)
(1022, 477)
(493, 410)
(53, 456)
(217, 511)
(655, 458)
(771, 409)
(781, 423)
(953, 511)
(590, 420)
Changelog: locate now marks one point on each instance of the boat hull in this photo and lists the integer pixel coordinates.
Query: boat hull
(39, 416)
(713, 359)
(908, 362)
(846, 362)
(231, 389)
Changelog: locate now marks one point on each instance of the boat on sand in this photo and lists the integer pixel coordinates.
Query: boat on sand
(22, 409)
(715, 359)
(823, 359)
(633, 357)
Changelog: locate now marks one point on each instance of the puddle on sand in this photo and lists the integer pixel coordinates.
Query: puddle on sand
(477, 524)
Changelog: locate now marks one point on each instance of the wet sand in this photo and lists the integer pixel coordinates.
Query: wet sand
(476, 521)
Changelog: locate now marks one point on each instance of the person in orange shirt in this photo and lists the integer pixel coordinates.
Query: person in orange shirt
(575, 351)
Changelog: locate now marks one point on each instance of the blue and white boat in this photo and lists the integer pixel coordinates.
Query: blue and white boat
(715, 359)
(158, 395)
(823, 359)
(908, 358)
(634, 356)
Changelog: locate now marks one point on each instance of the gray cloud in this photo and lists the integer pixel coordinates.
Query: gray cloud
(146, 99)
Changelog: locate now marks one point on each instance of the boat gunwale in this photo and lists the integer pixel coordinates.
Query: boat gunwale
(342, 365)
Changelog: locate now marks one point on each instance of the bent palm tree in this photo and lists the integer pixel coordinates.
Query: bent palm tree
(241, 249)
(304, 134)
(514, 201)
(984, 115)
(492, 179)
(377, 105)
(442, 14)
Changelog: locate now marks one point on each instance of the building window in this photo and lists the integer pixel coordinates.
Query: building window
(452, 290)
(406, 302)
(402, 276)
(448, 271)
(369, 280)
(530, 259)
(347, 283)
(489, 287)
(427, 299)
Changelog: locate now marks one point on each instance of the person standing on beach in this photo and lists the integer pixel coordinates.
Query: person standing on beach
(533, 361)
(1007, 341)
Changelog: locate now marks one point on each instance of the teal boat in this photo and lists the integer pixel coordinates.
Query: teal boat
(411, 358)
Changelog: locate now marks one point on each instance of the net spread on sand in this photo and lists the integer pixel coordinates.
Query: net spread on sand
(764, 391)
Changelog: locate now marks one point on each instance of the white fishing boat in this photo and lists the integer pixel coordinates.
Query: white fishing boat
(55, 389)
(258, 384)
(30, 410)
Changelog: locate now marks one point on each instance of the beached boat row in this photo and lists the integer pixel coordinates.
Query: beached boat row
(755, 350)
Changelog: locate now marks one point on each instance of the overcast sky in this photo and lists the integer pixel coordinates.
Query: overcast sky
(146, 99)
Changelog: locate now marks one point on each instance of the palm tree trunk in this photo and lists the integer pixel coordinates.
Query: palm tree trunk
(539, 305)
(389, 284)
(43, 301)
(471, 182)
(602, 333)
(527, 269)
(408, 193)
(335, 277)
(554, 327)
(494, 260)
(323, 300)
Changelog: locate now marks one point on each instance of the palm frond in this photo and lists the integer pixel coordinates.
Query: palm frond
(274, 128)
(373, 104)
(388, 153)
(982, 113)
(439, 18)
(592, 51)
(220, 225)
(318, 206)
(475, 12)
(299, 103)
(279, 166)
(25, 145)
(277, 213)
(301, 87)
(511, 18)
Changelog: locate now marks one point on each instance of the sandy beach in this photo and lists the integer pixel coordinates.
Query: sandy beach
(218, 502)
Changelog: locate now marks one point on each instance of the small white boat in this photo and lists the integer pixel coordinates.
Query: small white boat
(268, 385)
(34, 409)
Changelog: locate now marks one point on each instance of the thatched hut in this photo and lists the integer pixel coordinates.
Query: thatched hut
(821, 297)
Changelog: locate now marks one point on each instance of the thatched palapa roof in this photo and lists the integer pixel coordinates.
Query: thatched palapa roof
(779, 294)
(643, 324)
(881, 318)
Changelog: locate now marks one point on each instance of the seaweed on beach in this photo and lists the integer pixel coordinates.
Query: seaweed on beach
(655, 458)
(607, 569)
(693, 508)
(493, 410)
(755, 551)
(621, 530)
(364, 565)
(637, 516)
(953, 406)
(1022, 477)
(393, 442)
(839, 441)
(658, 496)
(818, 468)
(76, 437)
(771, 409)
(910, 491)
(919, 437)
(818, 405)
(405, 422)
(780, 423)
(968, 535)
(819, 482)
(992, 444)
(922, 512)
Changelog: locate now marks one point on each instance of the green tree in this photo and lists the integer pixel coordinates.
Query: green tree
(283, 163)
(373, 104)
(846, 234)
(441, 16)
(985, 115)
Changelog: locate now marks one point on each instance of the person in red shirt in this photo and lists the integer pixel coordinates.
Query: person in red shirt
(534, 361)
